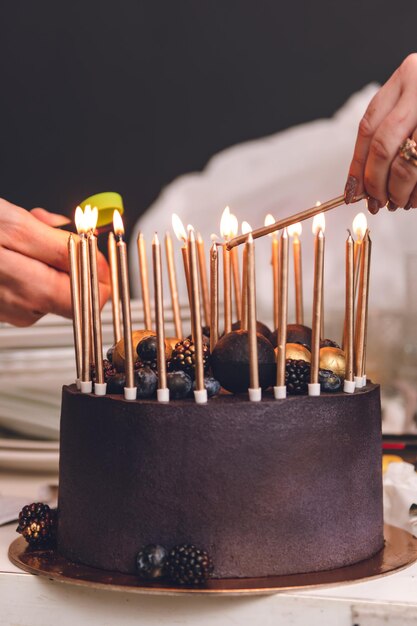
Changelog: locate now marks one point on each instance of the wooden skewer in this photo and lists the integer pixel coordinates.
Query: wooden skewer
(287, 221)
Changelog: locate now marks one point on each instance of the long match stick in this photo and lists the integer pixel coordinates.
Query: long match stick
(287, 221)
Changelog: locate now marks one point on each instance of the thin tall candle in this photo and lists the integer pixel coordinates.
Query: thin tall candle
(203, 279)
(173, 285)
(362, 311)
(76, 306)
(143, 271)
(318, 230)
(115, 291)
(130, 390)
(227, 292)
(234, 263)
(280, 389)
(295, 231)
(214, 296)
(269, 220)
(246, 228)
(200, 393)
(254, 390)
(181, 235)
(99, 385)
(349, 384)
(163, 391)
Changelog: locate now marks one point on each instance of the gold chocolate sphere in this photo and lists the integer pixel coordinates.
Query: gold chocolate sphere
(297, 352)
(119, 349)
(333, 359)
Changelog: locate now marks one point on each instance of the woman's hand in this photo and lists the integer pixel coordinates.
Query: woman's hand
(377, 169)
(34, 266)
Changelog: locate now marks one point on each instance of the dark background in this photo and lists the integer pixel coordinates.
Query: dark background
(125, 96)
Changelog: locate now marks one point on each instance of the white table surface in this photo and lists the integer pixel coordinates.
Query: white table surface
(27, 600)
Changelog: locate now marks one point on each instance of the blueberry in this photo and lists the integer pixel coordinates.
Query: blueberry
(116, 383)
(150, 561)
(329, 381)
(211, 385)
(147, 348)
(179, 384)
(146, 382)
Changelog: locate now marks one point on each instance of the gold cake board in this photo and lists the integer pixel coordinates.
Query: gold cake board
(399, 551)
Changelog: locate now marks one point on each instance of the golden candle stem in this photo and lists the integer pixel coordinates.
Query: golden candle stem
(75, 302)
(143, 272)
(127, 319)
(96, 317)
(203, 279)
(298, 281)
(214, 296)
(85, 309)
(252, 336)
(349, 308)
(361, 326)
(275, 280)
(173, 285)
(317, 305)
(115, 290)
(195, 312)
(283, 312)
(234, 258)
(244, 317)
(159, 313)
(227, 294)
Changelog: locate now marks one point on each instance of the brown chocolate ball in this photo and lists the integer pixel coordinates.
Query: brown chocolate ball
(260, 328)
(296, 333)
(230, 361)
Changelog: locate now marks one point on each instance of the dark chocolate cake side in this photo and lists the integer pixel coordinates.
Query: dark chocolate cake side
(269, 488)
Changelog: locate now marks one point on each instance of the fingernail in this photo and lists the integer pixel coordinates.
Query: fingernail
(350, 189)
(407, 206)
(373, 205)
(391, 206)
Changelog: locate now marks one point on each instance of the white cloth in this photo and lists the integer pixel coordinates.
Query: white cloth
(400, 492)
(283, 174)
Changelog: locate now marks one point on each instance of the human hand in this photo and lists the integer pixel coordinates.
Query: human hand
(377, 168)
(34, 276)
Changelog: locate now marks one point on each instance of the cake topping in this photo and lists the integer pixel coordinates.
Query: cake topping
(37, 524)
(151, 561)
(188, 565)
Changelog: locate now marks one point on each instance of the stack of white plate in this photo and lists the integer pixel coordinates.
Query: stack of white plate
(36, 361)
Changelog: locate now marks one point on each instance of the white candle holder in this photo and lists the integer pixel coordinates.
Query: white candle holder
(162, 395)
(130, 393)
(358, 382)
(280, 392)
(100, 389)
(86, 386)
(364, 380)
(78, 383)
(313, 389)
(200, 396)
(349, 386)
(255, 395)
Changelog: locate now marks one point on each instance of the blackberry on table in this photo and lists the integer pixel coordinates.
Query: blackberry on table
(297, 376)
(188, 565)
(37, 524)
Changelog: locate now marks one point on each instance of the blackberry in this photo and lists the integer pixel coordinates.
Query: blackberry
(183, 357)
(37, 524)
(187, 565)
(150, 561)
(297, 376)
(108, 368)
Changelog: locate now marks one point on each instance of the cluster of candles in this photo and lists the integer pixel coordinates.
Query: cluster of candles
(203, 295)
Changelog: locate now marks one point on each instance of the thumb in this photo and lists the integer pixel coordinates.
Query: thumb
(51, 219)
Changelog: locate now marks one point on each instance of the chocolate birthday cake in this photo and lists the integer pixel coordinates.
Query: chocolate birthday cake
(268, 488)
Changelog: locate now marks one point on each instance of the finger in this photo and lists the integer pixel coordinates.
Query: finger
(12, 313)
(37, 288)
(51, 219)
(379, 107)
(398, 125)
(412, 202)
(402, 180)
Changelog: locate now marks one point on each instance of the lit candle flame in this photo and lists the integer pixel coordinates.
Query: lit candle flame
(360, 225)
(118, 224)
(178, 228)
(246, 228)
(319, 223)
(92, 220)
(79, 220)
(214, 237)
(295, 230)
(268, 221)
(233, 226)
(190, 228)
(225, 223)
(318, 203)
